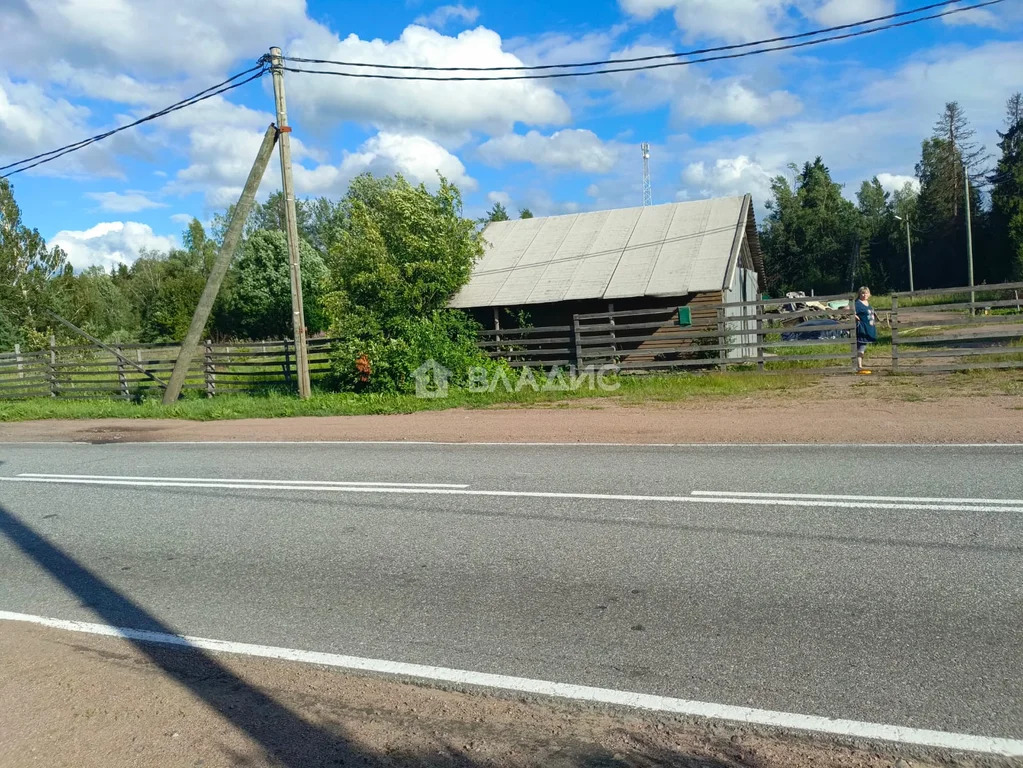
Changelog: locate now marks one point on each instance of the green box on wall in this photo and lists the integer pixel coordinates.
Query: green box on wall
(685, 316)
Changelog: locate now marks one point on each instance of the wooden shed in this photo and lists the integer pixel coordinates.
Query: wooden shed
(699, 255)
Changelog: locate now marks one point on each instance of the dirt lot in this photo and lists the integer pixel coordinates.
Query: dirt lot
(68, 699)
(837, 410)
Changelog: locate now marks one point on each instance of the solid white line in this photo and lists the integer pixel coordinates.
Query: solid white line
(836, 497)
(298, 483)
(846, 728)
(680, 500)
(513, 444)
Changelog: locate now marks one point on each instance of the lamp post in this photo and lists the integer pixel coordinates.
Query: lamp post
(909, 250)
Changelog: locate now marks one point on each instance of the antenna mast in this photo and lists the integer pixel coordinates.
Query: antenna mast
(648, 195)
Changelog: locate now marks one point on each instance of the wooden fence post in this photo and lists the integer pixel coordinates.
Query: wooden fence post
(614, 338)
(855, 341)
(17, 360)
(577, 338)
(51, 371)
(209, 370)
(895, 334)
(122, 379)
(287, 362)
(722, 352)
(758, 310)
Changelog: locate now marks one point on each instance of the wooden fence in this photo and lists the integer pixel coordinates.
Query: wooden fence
(950, 329)
(956, 329)
(88, 371)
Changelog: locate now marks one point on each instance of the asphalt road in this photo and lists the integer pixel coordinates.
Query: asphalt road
(883, 610)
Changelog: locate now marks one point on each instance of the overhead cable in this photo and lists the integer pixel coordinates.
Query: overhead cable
(633, 60)
(231, 83)
(644, 67)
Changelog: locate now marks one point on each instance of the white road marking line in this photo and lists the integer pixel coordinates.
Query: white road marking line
(846, 728)
(512, 444)
(838, 497)
(318, 483)
(680, 500)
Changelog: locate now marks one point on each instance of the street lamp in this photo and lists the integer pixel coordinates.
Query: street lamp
(909, 250)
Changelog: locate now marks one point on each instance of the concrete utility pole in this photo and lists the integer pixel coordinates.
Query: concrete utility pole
(909, 250)
(297, 311)
(209, 294)
(969, 234)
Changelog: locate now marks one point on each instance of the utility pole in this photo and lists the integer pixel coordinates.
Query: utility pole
(969, 237)
(648, 193)
(209, 294)
(297, 311)
(909, 250)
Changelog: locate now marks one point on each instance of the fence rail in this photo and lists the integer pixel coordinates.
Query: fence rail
(957, 329)
(77, 371)
(948, 329)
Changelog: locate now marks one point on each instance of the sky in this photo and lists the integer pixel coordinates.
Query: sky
(73, 68)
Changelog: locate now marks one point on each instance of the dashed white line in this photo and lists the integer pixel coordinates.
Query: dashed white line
(762, 717)
(248, 481)
(840, 497)
(213, 483)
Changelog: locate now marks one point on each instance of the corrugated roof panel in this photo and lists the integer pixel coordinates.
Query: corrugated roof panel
(594, 273)
(557, 278)
(708, 266)
(637, 263)
(521, 280)
(695, 229)
(660, 250)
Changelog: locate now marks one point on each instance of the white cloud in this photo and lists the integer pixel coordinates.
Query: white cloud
(573, 150)
(110, 243)
(499, 197)
(151, 37)
(445, 14)
(130, 201)
(182, 218)
(836, 12)
(733, 102)
(727, 177)
(735, 21)
(442, 110)
(893, 182)
(417, 158)
(32, 121)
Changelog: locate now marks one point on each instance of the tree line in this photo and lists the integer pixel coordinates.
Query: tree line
(380, 264)
(814, 238)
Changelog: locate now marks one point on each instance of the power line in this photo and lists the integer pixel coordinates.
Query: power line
(605, 62)
(207, 93)
(614, 70)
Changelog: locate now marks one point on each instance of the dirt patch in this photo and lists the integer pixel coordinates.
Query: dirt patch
(80, 700)
(850, 414)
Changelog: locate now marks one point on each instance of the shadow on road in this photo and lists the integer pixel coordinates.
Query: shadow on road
(288, 739)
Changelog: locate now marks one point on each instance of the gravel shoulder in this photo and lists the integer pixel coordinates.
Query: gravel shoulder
(816, 416)
(80, 700)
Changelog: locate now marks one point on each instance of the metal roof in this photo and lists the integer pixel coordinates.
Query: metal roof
(658, 250)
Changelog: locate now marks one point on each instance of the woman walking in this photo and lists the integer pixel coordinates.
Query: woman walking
(866, 326)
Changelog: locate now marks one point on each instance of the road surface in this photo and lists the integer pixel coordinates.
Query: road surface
(873, 584)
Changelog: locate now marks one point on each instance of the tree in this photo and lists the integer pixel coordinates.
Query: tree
(811, 235)
(258, 305)
(1007, 196)
(497, 213)
(26, 266)
(401, 254)
(942, 211)
(525, 213)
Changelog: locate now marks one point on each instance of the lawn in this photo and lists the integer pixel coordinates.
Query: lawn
(631, 390)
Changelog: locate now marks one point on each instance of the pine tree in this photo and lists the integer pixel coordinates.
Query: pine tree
(1007, 195)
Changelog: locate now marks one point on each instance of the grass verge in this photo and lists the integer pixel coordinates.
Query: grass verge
(630, 390)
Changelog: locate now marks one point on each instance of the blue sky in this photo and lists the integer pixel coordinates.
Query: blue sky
(76, 67)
